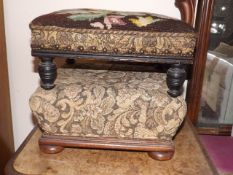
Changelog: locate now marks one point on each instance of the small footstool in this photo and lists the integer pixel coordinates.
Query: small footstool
(113, 36)
(103, 108)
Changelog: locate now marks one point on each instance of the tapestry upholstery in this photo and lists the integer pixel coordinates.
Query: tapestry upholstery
(112, 32)
(106, 103)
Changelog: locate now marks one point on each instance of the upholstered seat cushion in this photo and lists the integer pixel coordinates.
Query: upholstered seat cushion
(107, 103)
(112, 32)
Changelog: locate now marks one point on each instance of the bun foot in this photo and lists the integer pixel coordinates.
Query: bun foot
(51, 149)
(161, 155)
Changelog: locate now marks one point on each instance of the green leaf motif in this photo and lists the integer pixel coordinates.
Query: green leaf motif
(84, 14)
(84, 17)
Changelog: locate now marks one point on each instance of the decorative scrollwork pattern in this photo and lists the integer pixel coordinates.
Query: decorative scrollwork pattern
(108, 104)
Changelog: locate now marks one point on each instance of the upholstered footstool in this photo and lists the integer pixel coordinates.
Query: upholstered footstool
(103, 108)
(108, 109)
(113, 36)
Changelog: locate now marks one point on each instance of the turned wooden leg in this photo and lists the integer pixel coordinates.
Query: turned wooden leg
(70, 61)
(48, 72)
(51, 149)
(161, 155)
(176, 76)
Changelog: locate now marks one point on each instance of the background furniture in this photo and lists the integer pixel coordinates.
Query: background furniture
(215, 116)
(6, 133)
(202, 27)
(217, 91)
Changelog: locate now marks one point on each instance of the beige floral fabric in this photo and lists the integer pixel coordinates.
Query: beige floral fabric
(103, 103)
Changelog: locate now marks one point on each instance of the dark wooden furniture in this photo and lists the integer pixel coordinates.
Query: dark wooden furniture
(6, 133)
(221, 17)
(204, 15)
(223, 130)
(29, 160)
(202, 27)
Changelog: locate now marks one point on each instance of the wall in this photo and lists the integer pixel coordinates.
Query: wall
(23, 78)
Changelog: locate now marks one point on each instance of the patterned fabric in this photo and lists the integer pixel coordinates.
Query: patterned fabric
(107, 103)
(103, 31)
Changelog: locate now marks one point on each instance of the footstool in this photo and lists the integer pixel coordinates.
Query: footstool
(105, 108)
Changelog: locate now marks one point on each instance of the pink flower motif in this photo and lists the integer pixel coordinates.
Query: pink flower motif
(113, 20)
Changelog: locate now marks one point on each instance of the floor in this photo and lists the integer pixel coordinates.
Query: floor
(30, 160)
(220, 151)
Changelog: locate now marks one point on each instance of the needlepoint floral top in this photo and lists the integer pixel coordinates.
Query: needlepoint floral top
(106, 19)
(112, 32)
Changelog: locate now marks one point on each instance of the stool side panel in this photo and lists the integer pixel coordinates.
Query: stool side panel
(109, 104)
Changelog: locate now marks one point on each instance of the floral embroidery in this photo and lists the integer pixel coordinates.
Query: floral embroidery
(98, 31)
(109, 21)
(109, 17)
(97, 25)
(113, 20)
(84, 14)
(143, 21)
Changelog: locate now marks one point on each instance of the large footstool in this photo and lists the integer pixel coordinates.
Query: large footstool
(111, 109)
(108, 109)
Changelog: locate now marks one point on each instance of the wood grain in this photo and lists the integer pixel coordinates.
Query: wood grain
(203, 23)
(187, 10)
(222, 129)
(6, 134)
(108, 143)
(189, 159)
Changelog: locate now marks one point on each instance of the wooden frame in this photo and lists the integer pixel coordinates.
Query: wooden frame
(157, 149)
(187, 10)
(221, 129)
(6, 133)
(202, 26)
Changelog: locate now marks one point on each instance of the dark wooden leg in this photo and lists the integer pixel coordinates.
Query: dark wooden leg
(48, 72)
(51, 149)
(70, 61)
(161, 155)
(176, 76)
